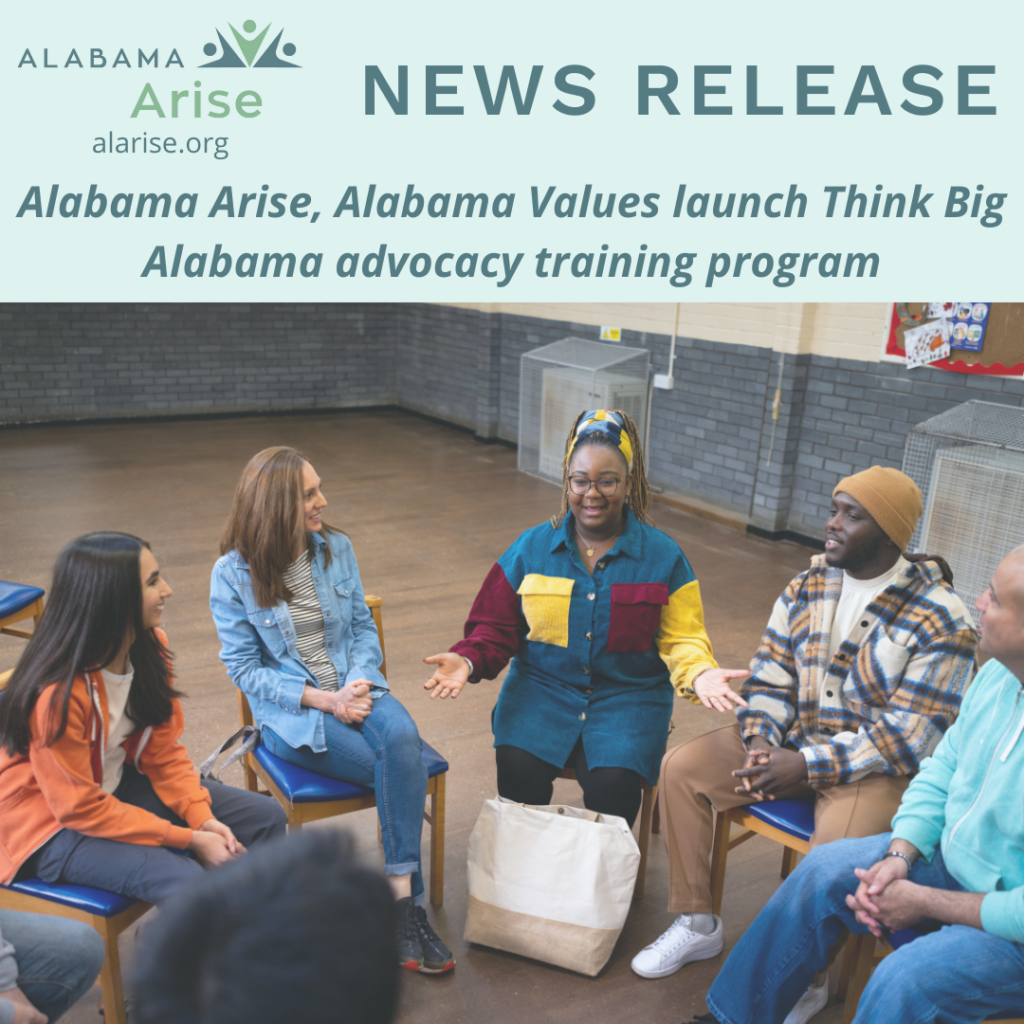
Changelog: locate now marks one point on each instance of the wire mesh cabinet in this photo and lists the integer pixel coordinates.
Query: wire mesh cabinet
(561, 380)
(969, 464)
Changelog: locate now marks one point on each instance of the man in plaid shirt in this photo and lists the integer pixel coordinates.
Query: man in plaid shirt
(860, 672)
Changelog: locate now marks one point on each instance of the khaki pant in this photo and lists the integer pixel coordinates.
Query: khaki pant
(696, 780)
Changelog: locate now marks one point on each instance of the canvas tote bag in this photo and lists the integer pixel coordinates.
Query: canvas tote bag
(553, 883)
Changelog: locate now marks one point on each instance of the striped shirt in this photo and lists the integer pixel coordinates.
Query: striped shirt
(308, 617)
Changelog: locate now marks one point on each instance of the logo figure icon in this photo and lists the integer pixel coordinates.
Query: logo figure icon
(249, 44)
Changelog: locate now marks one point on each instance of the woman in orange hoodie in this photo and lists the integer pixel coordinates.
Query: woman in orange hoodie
(96, 787)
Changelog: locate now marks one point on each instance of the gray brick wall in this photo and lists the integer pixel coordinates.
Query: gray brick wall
(65, 361)
(706, 432)
(857, 414)
(713, 437)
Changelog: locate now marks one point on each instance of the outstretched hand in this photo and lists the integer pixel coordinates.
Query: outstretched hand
(712, 686)
(450, 675)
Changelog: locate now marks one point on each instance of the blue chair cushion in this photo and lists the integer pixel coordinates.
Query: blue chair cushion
(15, 596)
(794, 817)
(301, 786)
(81, 897)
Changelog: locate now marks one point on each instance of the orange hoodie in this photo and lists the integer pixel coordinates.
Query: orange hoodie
(59, 786)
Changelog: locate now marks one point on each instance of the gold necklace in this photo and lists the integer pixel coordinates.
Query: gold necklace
(593, 547)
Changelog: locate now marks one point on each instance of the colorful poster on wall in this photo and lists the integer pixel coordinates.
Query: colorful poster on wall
(969, 323)
(1001, 342)
(927, 343)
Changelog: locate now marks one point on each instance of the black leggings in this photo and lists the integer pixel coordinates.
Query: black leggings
(527, 779)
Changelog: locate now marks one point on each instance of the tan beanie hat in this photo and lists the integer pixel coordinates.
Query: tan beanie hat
(891, 497)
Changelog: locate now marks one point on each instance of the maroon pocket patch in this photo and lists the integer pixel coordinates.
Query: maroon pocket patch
(635, 616)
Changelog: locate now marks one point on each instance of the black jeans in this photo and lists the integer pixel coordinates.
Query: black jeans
(527, 779)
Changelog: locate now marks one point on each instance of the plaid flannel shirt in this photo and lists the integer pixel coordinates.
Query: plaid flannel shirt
(891, 690)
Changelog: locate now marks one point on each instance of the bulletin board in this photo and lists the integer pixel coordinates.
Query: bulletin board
(1002, 353)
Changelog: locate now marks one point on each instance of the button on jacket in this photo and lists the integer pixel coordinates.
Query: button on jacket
(258, 644)
(596, 656)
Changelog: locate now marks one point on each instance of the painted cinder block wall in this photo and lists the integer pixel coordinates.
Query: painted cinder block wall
(712, 438)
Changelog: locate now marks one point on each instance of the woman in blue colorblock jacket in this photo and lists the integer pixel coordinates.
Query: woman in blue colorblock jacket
(298, 640)
(600, 615)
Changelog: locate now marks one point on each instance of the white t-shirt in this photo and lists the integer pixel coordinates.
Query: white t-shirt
(856, 596)
(119, 726)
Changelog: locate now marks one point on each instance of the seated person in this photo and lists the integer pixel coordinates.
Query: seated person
(46, 965)
(96, 787)
(298, 640)
(861, 670)
(600, 614)
(299, 931)
(954, 857)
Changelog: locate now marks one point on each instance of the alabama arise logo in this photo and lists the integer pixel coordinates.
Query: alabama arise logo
(249, 44)
(255, 52)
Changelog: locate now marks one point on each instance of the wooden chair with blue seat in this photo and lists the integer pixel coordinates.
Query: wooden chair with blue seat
(19, 602)
(309, 796)
(789, 822)
(106, 912)
(864, 957)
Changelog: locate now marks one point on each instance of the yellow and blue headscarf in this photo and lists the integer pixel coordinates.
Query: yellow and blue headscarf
(602, 421)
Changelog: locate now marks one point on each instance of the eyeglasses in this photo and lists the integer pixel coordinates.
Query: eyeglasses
(607, 485)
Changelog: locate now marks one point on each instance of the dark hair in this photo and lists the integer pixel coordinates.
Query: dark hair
(297, 930)
(265, 526)
(640, 490)
(94, 601)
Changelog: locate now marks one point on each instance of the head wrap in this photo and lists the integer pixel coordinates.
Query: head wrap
(890, 497)
(601, 421)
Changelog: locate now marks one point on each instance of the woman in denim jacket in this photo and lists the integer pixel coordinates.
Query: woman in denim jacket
(298, 640)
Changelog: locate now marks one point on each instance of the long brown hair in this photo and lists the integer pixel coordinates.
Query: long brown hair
(266, 524)
(640, 491)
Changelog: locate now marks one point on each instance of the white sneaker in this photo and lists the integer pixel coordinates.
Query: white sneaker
(678, 946)
(813, 1000)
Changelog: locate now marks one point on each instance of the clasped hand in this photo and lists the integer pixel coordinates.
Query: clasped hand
(770, 770)
(353, 703)
(884, 898)
(215, 844)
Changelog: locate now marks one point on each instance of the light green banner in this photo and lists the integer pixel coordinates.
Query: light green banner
(534, 151)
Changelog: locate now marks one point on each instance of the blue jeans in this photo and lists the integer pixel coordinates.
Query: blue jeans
(58, 960)
(385, 754)
(957, 975)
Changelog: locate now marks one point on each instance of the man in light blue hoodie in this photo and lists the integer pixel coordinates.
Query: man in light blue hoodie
(954, 861)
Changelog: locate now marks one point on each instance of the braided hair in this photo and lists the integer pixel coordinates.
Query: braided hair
(640, 492)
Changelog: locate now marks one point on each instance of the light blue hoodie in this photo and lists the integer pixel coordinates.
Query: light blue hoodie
(969, 798)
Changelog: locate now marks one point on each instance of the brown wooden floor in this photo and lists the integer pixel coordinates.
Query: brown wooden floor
(428, 510)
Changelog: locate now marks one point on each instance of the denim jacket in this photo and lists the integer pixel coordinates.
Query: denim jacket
(258, 644)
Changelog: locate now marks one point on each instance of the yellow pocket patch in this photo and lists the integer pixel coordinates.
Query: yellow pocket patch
(546, 607)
